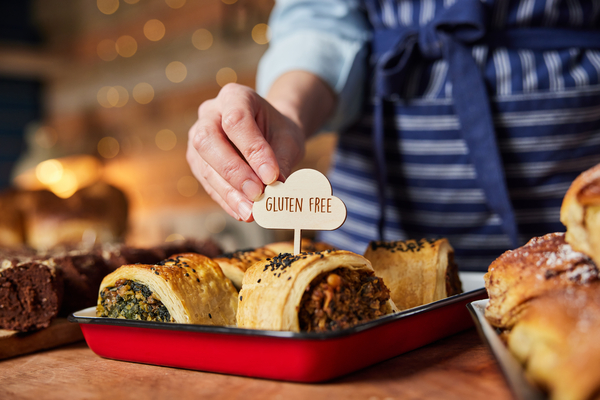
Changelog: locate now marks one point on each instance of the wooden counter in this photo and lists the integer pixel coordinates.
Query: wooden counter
(458, 367)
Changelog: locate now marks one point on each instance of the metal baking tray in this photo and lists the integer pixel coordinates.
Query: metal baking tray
(288, 356)
(511, 368)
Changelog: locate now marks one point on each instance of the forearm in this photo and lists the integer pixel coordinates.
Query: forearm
(304, 98)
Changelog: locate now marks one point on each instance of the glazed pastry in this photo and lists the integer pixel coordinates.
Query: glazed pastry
(187, 288)
(417, 272)
(580, 213)
(234, 265)
(544, 264)
(306, 245)
(314, 292)
(556, 339)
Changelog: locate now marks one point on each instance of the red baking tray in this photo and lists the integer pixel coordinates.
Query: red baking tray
(289, 356)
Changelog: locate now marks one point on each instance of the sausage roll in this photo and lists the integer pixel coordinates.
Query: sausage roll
(556, 339)
(417, 272)
(187, 288)
(580, 213)
(544, 264)
(234, 265)
(314, 292)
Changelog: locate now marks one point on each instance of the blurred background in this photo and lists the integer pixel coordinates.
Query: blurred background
(103, 92)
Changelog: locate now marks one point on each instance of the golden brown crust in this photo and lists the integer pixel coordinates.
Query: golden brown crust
(417, 272)
(544, 264)
(234, 265)
(272, 290)
(580, 213)
(556, 340)
(191, 286)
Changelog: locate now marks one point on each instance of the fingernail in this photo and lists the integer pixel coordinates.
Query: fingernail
(245, 210)
(267, 173)
(251, 190)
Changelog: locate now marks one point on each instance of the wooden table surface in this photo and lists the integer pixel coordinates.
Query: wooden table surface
(458, 367)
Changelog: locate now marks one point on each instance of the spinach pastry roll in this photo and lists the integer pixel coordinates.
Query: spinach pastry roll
(416, 271)
(187, 288)
(234, 265)
(314, 292)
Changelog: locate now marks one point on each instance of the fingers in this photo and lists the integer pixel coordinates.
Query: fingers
(240, 109)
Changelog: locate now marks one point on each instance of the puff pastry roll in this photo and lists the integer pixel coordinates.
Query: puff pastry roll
(580, 213)
(314, 292)
(556, 339)
(306, 245)
(234, 265)
(416, 271)
(543, 264)
(187, 288)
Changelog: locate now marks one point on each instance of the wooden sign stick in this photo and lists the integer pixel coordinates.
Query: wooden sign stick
(297, 240)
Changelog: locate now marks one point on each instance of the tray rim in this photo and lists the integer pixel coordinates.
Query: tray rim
(231, 330)
(511, 368)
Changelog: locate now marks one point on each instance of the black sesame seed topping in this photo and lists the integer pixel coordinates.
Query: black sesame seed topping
(186, 274)
(258, 281)
(156, 272)
(209, 316)
(240, 298)
(197, 280)
(289, 277)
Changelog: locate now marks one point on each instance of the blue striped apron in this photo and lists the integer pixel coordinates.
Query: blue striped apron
(480, 116)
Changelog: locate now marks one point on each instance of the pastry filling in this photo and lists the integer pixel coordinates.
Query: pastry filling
(342, 298)
(131, 300)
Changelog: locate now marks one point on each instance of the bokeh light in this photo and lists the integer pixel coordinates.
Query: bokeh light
(131, 1)
(107, 50)
(173, 237)
(45, 137)
(176, 71)
(102, 97)
(226, 75)
(108, 147)
(66, 186)
(126, 46)
(117, 96)
(175, 3)
(202, 39)
(187, 186)
(154, 30)
(261, 33)
(165, 139)
(49, 172)
(107, 6)
(143, 93)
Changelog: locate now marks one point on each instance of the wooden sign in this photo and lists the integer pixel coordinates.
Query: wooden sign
(303, 202)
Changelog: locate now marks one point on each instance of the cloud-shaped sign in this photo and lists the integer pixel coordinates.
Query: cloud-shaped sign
(304, 201)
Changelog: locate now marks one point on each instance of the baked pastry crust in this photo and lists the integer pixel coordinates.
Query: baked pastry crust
(542, 265)
(555, 339)
(306, 245)
(417, 272)
(580, 213)
(191, 286)
(234, 265)
(272, 290)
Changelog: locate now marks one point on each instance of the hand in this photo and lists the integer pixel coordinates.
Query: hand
(241, 143)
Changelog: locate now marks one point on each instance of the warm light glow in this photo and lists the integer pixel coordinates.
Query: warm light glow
(229, 1)
(45, 137)
(173, 237)
(107, 50)
(118, 96)
(176, 71)
(226, 75)
(175, 3)
(66, 186)
(165, 139)
(187, 186)
(49, 171)
(143, 93)
(107, 6)
(154, 30)
(102, 97)
(126, 46)
(202, 39)
(108, 147)
(261, 33)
